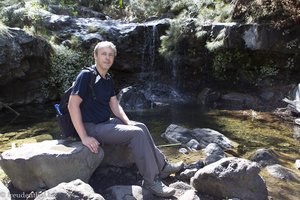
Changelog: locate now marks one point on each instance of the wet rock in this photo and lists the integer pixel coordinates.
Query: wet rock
(177, 134)
(133, 99)
(195, 139)
(206, 136)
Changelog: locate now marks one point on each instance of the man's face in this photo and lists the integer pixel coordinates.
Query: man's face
(105, 57)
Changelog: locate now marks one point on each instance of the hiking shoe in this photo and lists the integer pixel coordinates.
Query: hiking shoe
(171, 169)
(158, 188)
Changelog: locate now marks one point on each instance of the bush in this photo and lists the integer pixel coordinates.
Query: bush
(65, 64)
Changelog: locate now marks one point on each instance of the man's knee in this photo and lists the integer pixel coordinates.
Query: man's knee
(140, 125)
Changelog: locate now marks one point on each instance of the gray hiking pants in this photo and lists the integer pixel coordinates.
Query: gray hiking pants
(148, 158)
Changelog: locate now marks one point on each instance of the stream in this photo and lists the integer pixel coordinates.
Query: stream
(250, 129)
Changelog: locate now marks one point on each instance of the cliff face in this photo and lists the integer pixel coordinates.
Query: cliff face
(260, 48)
(24, 61)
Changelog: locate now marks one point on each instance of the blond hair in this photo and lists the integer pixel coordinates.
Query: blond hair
(105, 44)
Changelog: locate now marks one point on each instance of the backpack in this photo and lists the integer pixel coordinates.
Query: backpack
(62, 112)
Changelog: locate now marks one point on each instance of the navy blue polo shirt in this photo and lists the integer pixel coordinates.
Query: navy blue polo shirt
(95, 111)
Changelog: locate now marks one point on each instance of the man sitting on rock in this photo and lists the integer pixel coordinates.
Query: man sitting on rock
(91, 118)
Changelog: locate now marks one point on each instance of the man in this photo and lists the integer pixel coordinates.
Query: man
(91, 118)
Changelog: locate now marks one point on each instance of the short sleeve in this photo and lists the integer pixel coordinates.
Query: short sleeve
(81, 84)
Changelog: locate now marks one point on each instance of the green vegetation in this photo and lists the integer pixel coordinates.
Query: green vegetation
(240, 67)
(65, 65)
(4, 32)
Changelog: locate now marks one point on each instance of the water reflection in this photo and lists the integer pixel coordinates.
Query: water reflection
(29, 115)
(262, 131)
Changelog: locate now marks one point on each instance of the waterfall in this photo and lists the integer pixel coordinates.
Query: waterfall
(151, 41)
(251, 38)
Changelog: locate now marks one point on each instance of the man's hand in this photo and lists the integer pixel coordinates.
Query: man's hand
(91, 143)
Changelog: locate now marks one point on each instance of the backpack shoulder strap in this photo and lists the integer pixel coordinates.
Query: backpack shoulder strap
(93, 75)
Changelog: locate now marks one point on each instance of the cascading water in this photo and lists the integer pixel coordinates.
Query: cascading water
(157, 90)
(152, 88)
(150, 48)
(251, 37)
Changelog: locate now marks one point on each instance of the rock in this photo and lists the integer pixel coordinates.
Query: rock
(231, 178)
(119, 156)
(297, 164)
(4, 192)
(195, 139)
(189, 195)
(296, 134)
(281, 172)
(207, 97)
(128, 192)
(265, 157)
(43, 165)
(183, 151)
(177, 134)
(206, 136)
(187, 174)
(213, 153)
(24, 63)
(108, 176)
(74, 190)
(297, 121)
(133, 99)
(239, 101)
(184, 191)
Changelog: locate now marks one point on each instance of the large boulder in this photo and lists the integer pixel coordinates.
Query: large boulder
(231, 178)
(37, 166)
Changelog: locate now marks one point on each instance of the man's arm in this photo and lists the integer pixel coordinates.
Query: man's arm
(118, 111)
(75, 113)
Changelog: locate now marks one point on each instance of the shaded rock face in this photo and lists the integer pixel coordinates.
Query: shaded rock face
(43, 165)
(231, 178)
(24, 61)
(139, 62)
(117, 155)
(259, 46)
